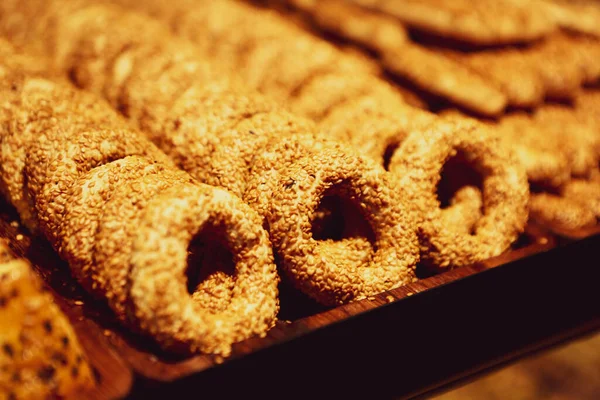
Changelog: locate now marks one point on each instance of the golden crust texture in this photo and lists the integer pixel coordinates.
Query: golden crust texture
(545, 161)
(557, 144)
(446, 78)
(464, 209)
(357, 24)
(577, 15)
(584, 192)
(40, 355)
(555, 67)
(238, 133)
(390, 254)
(560, 212)
(79, 154)
(159, 290)
(482, 23)
(289, 183)
(418, 165)
(88, 196)
(431, 72)
(268, 58)
(580, 140)
(48, 139)
(116, 231)
(349, 104)
(508, 71)
(556, 141)
(485, 78)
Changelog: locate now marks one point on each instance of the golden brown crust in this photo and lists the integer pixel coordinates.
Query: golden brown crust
(84, 207)
(585, 193)
(281, 175)
(581, 51)
(13, 153)
(374, 30)
(555, 67)
(579, 140)
(85, 154)
(172, 73)
(560, 212)
(427, 70)
(276, 157)
(577, 15)
(54, 164)
(194, 149)
(308, 263)
(232, 163)
(373, 126)
(464, 210)
(116, 231)
(263, 57)
(587, 106)
(544, 160)
(446, 78)
(553, 143)
(328, 93)
(559, 71)
(483, 23)
(48, 122)
(508, 70)
(14, 70)
(200, 142)
(418, 164)
(40, 356)
(158, 291)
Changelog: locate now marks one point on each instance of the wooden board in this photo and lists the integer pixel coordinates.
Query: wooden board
(128, 365)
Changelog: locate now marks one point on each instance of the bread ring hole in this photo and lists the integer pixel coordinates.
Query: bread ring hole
(537, 188)
(338, 217)
(210, 268)
(457, 173)
(460, 194)
(389, 153)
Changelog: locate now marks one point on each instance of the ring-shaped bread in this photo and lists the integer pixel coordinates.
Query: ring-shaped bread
(335, 271)
(159, 292)
(418, 165)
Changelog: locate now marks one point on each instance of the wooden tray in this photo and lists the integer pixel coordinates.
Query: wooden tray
(396, 344)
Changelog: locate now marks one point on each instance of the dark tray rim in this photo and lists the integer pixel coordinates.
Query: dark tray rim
(344, 342)
(548, 296)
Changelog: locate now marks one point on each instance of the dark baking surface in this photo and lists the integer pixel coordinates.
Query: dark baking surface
(569, 371)
(396, 344)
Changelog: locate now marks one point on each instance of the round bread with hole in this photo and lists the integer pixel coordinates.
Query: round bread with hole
(418, 165)
(369, 248)
(162, 304)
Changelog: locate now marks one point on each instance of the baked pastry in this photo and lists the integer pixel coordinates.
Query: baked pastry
(419, 164)
(472, 72)
(237, 140)
(40, 355)
(486, 23)
(78, 153)
(349, 104)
